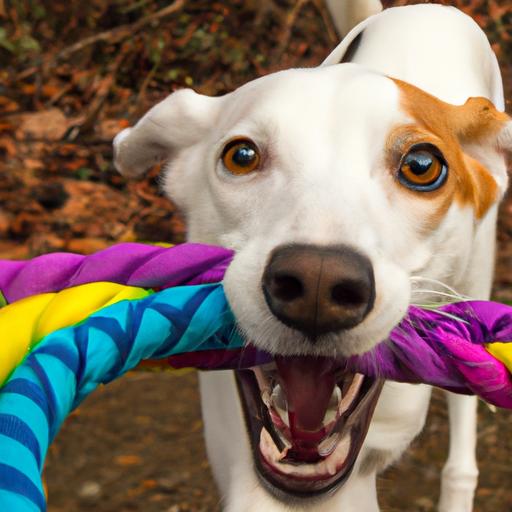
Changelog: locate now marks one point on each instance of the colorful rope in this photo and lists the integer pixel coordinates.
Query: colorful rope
(63, 368)
(462, 347)
(142, 265)
(57, 347)
(73, 322)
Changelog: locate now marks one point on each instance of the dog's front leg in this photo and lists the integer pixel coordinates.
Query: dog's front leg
(460, 473)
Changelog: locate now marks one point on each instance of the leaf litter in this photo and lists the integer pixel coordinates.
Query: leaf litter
(72, 75)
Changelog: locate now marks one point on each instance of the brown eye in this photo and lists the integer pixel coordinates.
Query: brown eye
(240, 156)
(423, 168)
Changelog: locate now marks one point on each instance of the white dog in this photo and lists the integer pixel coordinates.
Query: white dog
(346, 191)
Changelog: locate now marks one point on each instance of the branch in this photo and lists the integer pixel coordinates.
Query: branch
(120, 31)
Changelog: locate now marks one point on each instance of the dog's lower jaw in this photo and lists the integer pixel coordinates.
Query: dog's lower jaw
(301, 463)
(357, 495)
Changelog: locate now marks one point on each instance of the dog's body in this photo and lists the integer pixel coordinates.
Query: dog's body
(332, 183)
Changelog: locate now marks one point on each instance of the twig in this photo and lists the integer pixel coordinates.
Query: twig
(331, 31)
(88, 120)
(108, 35)
(142, 92)
(120, 31)
(58, 95)
(287, 32)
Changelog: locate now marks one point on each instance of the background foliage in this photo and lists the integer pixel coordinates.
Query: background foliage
(73, 73)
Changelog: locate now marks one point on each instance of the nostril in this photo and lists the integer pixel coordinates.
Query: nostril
(286, 288)
(347, 296)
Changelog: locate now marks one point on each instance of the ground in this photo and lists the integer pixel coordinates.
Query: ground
(74, 74)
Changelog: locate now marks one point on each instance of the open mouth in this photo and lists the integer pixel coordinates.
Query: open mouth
(308, 418)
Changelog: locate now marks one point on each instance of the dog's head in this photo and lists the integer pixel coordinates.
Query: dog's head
(334, 186)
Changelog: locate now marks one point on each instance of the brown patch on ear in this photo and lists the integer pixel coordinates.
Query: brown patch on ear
(477, 120)
(450, 125)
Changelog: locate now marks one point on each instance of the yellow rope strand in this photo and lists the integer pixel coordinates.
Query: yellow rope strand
(26, 322)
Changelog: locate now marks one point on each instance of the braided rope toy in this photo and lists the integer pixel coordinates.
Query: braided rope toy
(70, 323)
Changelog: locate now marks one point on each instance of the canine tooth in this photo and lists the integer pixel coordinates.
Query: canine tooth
(262, 378)
(269, 449)
(352, 393)
(263, 383)
(278, 402)
(332, 409)
(339, 455)
(283, 438)
(327, 446)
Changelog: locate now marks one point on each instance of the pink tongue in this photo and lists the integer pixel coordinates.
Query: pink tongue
(307, 383)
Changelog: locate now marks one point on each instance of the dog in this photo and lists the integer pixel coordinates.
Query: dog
(348, 192)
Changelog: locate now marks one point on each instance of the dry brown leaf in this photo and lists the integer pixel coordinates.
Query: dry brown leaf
(128, 460)
(50, 124)
(8, 105)
(87, 245)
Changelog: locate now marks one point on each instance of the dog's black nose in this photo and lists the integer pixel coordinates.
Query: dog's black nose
(318, 290)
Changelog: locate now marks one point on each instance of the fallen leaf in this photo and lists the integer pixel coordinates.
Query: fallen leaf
(8, 105)
(128, 460)
(50, 124)
(87, 245)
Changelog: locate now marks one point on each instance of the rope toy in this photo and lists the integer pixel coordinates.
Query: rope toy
(69, 323)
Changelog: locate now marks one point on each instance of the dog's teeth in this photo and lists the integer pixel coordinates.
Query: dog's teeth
(269, 449)
(337, 407)
(332, 409)
(282, 437)
(351, 394)
(263, 380)
(275, 400)
(279, 404)
(327, 446)
(265, 398)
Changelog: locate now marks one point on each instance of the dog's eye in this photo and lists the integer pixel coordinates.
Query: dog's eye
(423, 168)
(240, 156)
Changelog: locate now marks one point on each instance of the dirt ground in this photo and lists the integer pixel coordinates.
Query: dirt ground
(76, 73)
(136, 445)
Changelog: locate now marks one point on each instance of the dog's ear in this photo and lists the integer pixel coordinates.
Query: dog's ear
(177, 122)
(484, 133)
(478, 120)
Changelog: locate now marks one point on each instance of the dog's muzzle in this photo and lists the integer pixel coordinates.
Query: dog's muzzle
(308, 416)
(318, 290)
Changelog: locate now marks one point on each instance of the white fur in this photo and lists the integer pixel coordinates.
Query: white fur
(435, 48)
(322, 135)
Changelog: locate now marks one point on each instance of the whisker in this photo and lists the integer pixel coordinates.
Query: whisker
(439, 294)
(439, 297)
(436, 292)
(440, 283)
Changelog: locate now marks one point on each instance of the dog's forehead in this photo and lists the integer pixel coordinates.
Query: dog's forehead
(336, 95)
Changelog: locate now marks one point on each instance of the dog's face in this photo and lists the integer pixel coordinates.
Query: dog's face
(334, 187)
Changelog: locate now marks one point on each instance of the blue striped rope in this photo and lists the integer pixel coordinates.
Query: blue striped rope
(70, 363)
